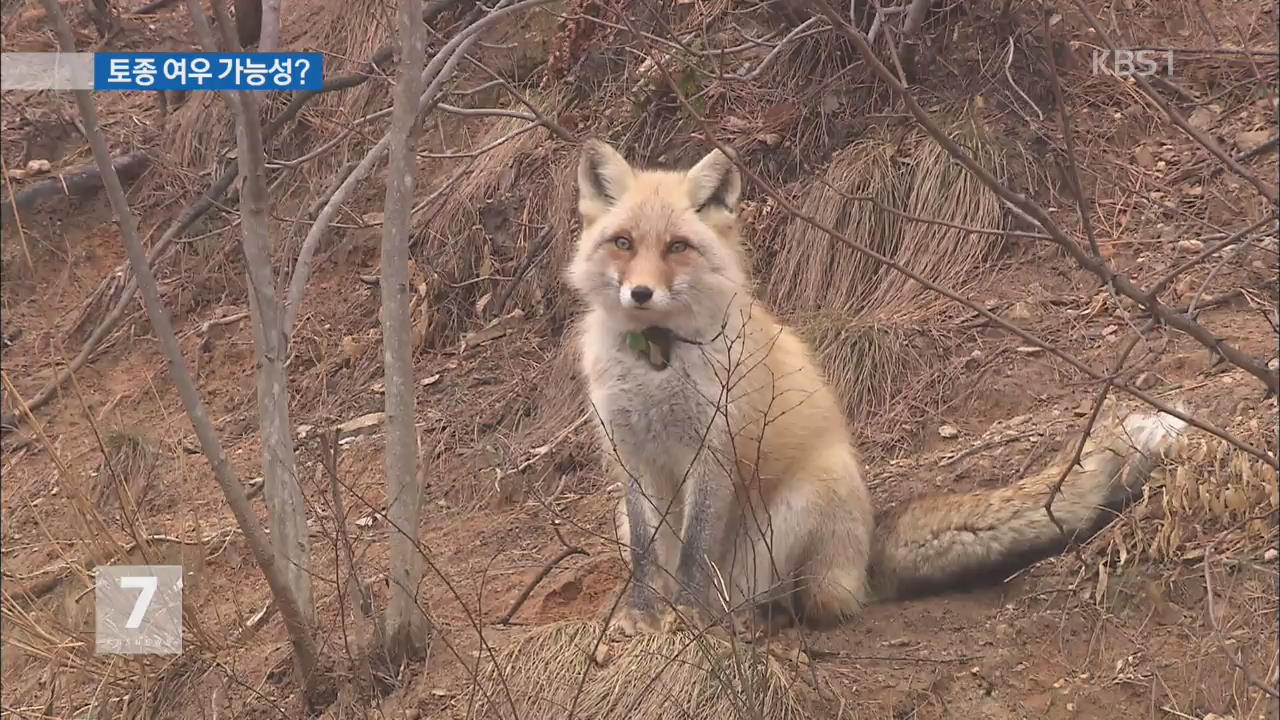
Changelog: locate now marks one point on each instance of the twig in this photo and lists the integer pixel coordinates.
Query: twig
(1068, 138)
(767, 61)
(1261, 52)
(985, 446)
(1176, 117)
(1233, 658)
(542, 574)
(1098, 401)
(536, 249)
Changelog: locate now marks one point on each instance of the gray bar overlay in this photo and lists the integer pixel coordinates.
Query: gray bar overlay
(46, 71)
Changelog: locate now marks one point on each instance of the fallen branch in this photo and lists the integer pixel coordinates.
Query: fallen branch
(76, 181)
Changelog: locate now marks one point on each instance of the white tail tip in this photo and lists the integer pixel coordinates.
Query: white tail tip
(1153, 433)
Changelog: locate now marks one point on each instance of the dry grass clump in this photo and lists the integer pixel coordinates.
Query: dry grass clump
(125, 471)
(890, 371)
(653, 677)
(811, 270)
(867, 321)
(864, 194)
(492, 240)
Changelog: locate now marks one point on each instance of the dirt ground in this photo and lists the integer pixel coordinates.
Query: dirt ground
(1119, 628)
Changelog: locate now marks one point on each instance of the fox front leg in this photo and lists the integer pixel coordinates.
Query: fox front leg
(638, 612)
(707, 502)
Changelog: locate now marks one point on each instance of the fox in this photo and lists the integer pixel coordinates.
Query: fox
(744, 495)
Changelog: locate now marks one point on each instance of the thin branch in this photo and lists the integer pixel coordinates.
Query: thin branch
(786, 205)
(1176, 117)
(1098, 401)
(1096, 265)
(1068, 138)
(519, 602)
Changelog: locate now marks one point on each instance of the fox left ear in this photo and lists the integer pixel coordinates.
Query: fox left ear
(603, 178)
(714, 181)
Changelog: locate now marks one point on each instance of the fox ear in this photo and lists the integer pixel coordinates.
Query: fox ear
(714, 181)
(603, 177)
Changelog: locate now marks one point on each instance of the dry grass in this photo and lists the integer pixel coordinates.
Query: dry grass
(893, 373)
(477, 236)
(1208, 494)
(878, 334)
(125, 472)
(915, 177)
(648, 677)
(812, 271)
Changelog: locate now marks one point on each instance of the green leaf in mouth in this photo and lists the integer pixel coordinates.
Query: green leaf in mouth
(637, 342)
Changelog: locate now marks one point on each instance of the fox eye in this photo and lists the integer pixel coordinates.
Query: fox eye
(678, 246)
(622, 242)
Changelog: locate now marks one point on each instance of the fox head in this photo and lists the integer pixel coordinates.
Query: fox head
(657, 246)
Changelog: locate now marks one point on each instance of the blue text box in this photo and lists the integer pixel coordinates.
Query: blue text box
(208, 71)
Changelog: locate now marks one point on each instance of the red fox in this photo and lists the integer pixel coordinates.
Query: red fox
(743, 490)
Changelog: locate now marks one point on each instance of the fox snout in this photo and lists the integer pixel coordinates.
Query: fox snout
(642, 294)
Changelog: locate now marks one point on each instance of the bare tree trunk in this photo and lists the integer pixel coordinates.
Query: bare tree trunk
(285, 507)
(304, 647)
(270, 38)
(248, 21)
(406, 623)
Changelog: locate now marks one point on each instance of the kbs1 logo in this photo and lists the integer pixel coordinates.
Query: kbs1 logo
(1127, 63)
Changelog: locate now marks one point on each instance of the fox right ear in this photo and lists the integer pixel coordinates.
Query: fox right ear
(603, 177)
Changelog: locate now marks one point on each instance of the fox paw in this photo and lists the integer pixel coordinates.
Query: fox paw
(685, 617)
(629, 621)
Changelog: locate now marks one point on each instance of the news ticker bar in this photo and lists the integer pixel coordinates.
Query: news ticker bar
(161, 71)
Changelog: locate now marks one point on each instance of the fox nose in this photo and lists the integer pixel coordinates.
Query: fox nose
(641, 294)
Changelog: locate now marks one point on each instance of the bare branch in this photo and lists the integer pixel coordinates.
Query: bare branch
(1095, 265)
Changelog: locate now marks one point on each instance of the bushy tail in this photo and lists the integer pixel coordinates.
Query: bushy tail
(947, 542)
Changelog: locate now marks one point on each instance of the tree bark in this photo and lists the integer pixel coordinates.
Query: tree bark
(269, 39)
(406, 626)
